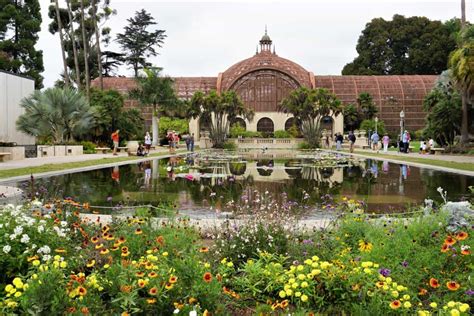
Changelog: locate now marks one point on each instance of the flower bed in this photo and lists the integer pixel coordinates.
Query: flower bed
(56, 262)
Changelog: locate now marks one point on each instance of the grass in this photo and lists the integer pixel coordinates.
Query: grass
(70, 165)
(467, 166)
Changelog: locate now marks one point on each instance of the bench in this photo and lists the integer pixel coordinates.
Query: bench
(120, 148)
(3, 156)
(365, 147)
(437, 151)
(102, 149)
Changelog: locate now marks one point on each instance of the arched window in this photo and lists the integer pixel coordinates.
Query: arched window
(238, 120)
(327, 123)
(265, 125)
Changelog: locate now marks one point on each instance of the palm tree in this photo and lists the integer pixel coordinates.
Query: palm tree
(461, 63)
(61, 39)
(59, 115)
(309, 107)
(157, 91)
(221, 109)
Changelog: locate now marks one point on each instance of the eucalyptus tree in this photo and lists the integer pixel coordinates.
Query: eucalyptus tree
(309, 106)
(61, 40)
(58, 115)
(74, 48)
(220, 110)
(156, 91)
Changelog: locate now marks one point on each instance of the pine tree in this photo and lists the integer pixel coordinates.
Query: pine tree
(20, 22)
(137, 42)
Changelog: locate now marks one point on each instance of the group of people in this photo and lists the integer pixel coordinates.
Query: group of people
(375, 139)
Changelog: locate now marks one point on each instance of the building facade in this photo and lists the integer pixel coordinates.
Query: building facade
(13, 88)
(264, 79)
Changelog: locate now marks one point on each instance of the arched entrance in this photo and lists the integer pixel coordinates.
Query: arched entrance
(238, 121)
(327, 124)
(265, 126)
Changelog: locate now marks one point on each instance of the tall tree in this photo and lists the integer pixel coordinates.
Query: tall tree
(97, 38)
(20, 22)
(156, 91)
(366, 105)
(402, 46)
(61, 40)
(309, 107)
(74, 49)
(85, 50)
(137, 42)
(57, 115)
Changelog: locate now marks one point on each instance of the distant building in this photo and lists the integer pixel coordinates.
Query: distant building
(13, 88)
(264, 79)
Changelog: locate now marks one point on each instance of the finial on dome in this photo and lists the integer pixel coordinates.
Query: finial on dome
(274, 53)
(265, 42)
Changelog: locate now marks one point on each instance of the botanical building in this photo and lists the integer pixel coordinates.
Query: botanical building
(264, 79)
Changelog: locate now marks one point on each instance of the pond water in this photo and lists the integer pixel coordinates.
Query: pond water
(199, 181)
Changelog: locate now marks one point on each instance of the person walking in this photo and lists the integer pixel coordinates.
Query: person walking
(339, 140)
(191, 142)
(352, 139)
(147, 143)
(115, 140)
(170, 142)
(375, 141)
(188, 142)
(385, 142)
(405, 142)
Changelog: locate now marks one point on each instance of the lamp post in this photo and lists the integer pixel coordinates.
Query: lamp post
(402, 123)
(376, 121)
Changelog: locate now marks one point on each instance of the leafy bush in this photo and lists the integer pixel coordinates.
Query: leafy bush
(370, 125)
(237, 130)
(181, 126)
(281, 134)
(230, 145)
(304, 145)
(88, 147)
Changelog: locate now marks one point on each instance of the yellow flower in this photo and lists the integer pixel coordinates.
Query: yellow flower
(36, 262)
(316, 271)
(451, 304)
(433, 305)
(300, 268)
(304, 298)
(454, 312)
(423, 313)
(304, 284)
(301, 277)
(395, 294)
(295, 285)
(165, 254)
(63, 264)
(207, 265)
(282, 294)
(407, 304)
(9, 288)
(367, 271)
(308, 261)
(365, 246)
(18, 294)
(230, 264)
(367, 264)
(17, 283)
(289, 292)
(291, 280)
(406, 297)
(464, 307)
(315, 258)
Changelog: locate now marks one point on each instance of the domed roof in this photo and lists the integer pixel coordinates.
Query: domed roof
(265, 60)
(266, 38)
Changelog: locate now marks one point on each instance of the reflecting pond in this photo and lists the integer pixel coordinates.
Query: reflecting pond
(193, 183)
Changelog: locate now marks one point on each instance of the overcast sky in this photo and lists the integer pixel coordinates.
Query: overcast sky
(205, 38)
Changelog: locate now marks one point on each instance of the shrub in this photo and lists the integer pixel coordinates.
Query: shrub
(370, 125)
(236, 131)
(304, 145)
(229, 145)
(181, 126)
(281, 134)
(88, 147)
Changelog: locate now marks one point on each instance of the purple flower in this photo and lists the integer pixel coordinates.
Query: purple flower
(296, 263)
(307, 241)
(385, 272)
(469, 292)
(404, 263)
(109, 198)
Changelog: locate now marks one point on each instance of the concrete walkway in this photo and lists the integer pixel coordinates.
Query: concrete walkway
(34, 162)
(442, 157)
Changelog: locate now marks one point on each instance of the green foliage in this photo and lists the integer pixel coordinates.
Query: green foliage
(137, 42)
(367, 106)
(403, 46)
(181, 126)
(370, 125)
(351, 117)
(20, 23)
(88, 147)
(281, 134)
(443, 105)
(308, 107)
(305, 145)
(237, 130)
(229, 145)
(294, 131)
(224, 108)
(131, 125)
(57, 115)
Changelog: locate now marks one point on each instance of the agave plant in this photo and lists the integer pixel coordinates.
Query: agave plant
(59, 115)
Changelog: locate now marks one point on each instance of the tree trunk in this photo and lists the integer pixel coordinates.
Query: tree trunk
(84, 45)
(63, 53)
(97, 37)
(464, 120)
(72, 36)
(154, 125)
(463, 14)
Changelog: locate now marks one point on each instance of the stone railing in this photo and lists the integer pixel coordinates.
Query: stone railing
(270, 143)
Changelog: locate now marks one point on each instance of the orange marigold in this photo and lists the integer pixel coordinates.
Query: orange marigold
(450, 241)
(434, 283)
(207, 277)
(461, 235)
(452, 285)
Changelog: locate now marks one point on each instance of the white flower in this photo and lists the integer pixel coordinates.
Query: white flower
(46, 257)
(176, 311)
(36, 203)
(25, 239)
(1, 225)
(7, 248)
(45, 249)
(63, 223)
(192, 313)
(18, 230)
(12, 237)
(40, 229)
(465, 247)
